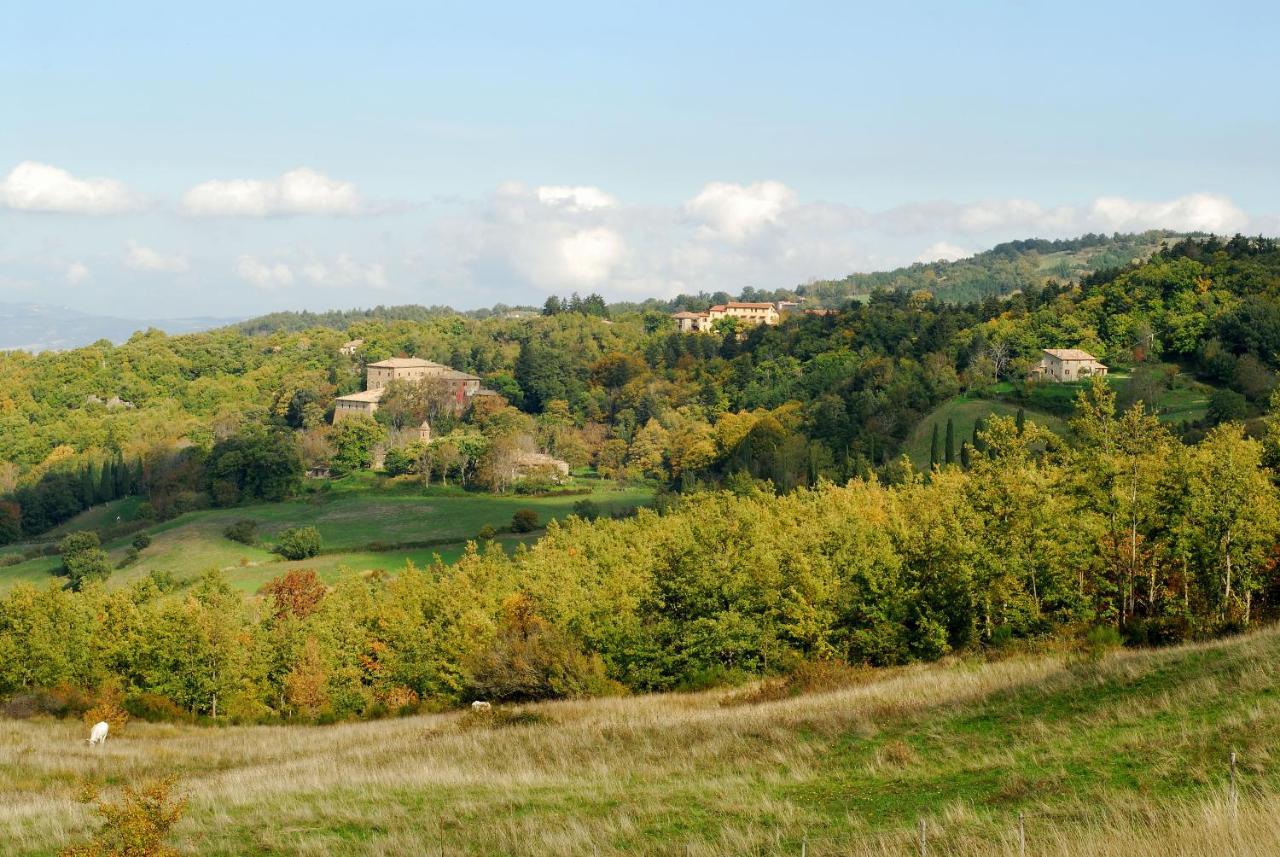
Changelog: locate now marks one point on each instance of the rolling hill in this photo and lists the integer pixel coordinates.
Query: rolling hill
(1121, 753)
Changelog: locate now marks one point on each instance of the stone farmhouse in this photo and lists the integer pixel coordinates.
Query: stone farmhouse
(1065, 365)
(747, 313)
(461, 386)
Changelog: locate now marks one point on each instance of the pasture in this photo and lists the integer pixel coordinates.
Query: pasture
(365, 524)
(1122, 754)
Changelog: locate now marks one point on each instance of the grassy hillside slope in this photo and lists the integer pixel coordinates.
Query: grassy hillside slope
(1122, 755)
(964, 411)
(356, 519)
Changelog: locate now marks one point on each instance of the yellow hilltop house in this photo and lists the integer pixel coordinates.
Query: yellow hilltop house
(748, 313)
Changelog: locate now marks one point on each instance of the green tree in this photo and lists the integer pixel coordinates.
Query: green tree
(83, 558)
(354, 442)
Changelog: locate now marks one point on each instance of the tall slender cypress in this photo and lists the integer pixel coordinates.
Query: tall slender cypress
(933, 448)
(951, 442)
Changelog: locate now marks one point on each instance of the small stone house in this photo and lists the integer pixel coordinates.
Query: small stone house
(1065, 365)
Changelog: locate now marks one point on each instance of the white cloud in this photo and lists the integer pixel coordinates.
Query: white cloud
(735, 211)
(590, 255)
(578, 198)
(300, 191)
(263, 275)
(297, 266)
(77, 273)
(32, 186)
(943, 251)
(141, 258)
(1204, 212)
(346, 271)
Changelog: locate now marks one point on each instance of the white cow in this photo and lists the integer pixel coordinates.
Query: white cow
(98, 735)
(480, 706)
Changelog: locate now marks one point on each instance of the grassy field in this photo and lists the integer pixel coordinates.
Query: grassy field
(1123, 755)
(354, 516)
(963, 411)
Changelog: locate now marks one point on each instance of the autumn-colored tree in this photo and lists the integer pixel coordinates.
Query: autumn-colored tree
(295, 593)
(305, 685)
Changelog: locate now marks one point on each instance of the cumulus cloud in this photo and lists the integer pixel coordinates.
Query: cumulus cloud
(263, 274)
(283, 269)
(525, 241)
(579, 198)
(77, 273)
(1197, 212)
(591, 254)
(344, 270)
(943, 251)
(297, 192)
(735, 211)
(141, 258)
(32, 186)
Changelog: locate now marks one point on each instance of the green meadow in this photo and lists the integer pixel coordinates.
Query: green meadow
(366, 523)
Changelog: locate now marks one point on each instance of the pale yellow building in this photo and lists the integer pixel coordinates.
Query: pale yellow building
(747, 313)
(461, 385)
(1065, 365)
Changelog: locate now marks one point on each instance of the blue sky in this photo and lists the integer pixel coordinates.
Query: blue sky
(158, 161)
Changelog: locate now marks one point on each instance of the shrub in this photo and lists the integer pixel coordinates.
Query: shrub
(137, 825)
(164, 580)
(1100, 640)
(130, 557)
(142, 541)
(154, 708)
(524, 521)
(10, 559)
(587, 509)
(299, 543)
(244, 531)
(487, 533)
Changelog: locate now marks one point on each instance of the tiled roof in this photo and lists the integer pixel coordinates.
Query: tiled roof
(404, 363)
(1069, 354)
(363, 396)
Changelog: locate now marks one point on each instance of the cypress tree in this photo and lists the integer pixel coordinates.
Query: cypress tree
(1021, 420)
(88, 486)
(121, 474)
(933, 448)
(951, 442)
(966, 458)
(978, 427)
(106, 483)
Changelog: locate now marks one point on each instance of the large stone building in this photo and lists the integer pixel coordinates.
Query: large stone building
(747, 313)
(1065, 365)
(460, 386)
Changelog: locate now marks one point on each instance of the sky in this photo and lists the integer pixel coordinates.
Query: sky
(160, 161)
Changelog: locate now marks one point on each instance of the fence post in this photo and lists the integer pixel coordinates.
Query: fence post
(1022, 834)
(924, 843)
(804, 847)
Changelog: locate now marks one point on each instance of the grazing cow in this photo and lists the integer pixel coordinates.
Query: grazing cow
(98, 735)
(480, 706)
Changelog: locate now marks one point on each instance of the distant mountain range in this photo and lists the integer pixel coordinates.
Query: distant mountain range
(40, 327)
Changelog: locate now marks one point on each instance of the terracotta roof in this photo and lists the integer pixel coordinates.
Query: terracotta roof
(718, 308)
(363, 396)
(1069, 354)
(687, 314)
(404, 363)
(457, 375)
(741, 305)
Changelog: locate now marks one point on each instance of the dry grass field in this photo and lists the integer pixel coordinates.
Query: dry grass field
(1123, 755)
